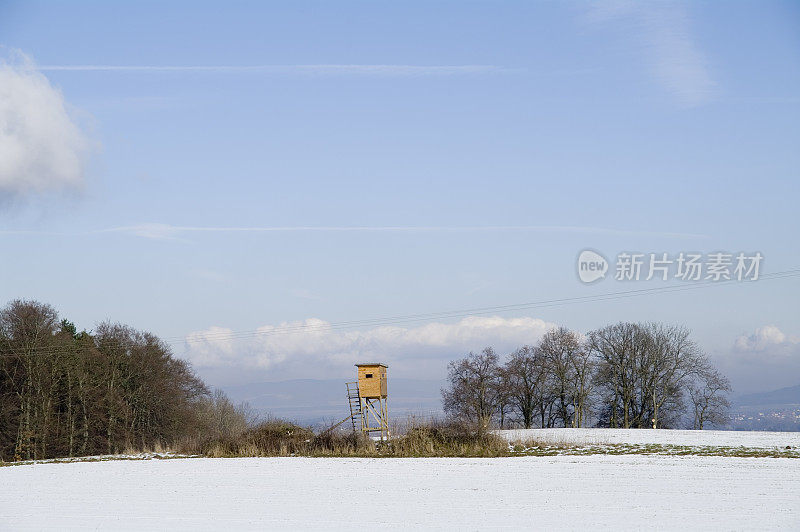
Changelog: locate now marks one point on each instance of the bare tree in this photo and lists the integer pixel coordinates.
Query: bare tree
(220, 418)
(474, 391)
(26, 332)
(708, 396)
(150, 396)
(615, 348)
(631, 375)
(672, 358)
(583, 368)
(524, 378)
(560, 349)
(643, 371)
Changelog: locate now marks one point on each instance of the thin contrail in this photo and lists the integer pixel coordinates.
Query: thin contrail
(165, 230)
(390, 70)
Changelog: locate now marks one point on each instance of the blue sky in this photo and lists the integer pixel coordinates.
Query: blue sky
(501, 137)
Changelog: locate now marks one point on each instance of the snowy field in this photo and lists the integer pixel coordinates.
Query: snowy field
(560, 492)
(727, 438)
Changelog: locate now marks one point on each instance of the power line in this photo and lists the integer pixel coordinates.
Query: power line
(486, 310)
(415, 318)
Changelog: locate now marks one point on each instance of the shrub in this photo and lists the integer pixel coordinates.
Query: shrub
(447, 438)
(274, 437)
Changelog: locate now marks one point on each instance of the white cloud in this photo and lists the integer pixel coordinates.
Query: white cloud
(314, 347)
(768, 338)
(41, 147)
(663, 33)
(764, 360)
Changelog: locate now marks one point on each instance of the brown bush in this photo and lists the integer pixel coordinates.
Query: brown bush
(447, 438)
(274, 437)
(330, 443)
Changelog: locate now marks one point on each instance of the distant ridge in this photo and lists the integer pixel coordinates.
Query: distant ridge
(784, 396)
(313, 401)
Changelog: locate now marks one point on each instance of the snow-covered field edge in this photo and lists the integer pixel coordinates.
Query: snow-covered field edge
(103, 458)
(583, 441)
(649, 441)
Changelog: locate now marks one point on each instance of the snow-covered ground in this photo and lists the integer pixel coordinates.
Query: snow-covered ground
(725, 438)
(572, 492)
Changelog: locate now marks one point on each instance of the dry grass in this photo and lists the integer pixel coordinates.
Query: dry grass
(277, 437)
(429, 439)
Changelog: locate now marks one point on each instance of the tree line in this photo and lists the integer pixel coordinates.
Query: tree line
(65, 392)
(627, 375)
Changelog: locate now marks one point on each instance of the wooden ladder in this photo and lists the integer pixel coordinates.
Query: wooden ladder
(354, 400)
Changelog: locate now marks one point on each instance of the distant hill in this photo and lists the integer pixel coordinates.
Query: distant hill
(311, 401)
(783, 396)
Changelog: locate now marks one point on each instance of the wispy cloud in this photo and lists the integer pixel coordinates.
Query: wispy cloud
(32, 232)
(677, 60)
(663, 33)
(166, 231)
(325, 69)
(209, 275)
(304, 293)
(158, 231)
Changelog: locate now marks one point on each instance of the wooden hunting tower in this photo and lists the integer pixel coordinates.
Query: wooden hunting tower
(367, 399)
(372, 381)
